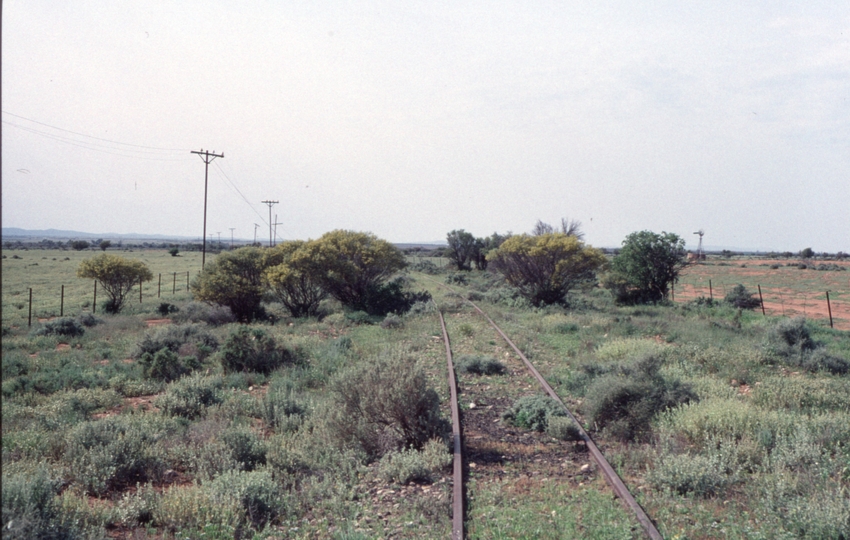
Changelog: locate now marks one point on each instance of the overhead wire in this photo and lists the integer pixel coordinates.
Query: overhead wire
(93, 146)
(233, 185)
(93, 137)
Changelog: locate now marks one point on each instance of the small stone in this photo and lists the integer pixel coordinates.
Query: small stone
(585, 467)
(472, 405)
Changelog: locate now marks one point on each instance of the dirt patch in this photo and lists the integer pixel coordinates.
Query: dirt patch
(138, 403)
(63, 347)
(786, 291)
(157, 322)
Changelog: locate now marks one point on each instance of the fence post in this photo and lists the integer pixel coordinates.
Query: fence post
(710, 291)
(29, 317)
(174, 284)
(94, 303)
(62, 302)
(762, 301)
(159, 286)
(829, 307)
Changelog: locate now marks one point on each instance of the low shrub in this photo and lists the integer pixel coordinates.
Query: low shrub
(790, 342)
(166, 366)
(257, 493)
(392, 321)
(426, 267)
(685, 474)
(198, 312)
(88, 320)
(391, 297)
(252, 349)
(29, 508)
(741, 298)
(190, 396)
(385, 404)
(533, 412)
(184, 339)
(166, 309)
(563, 428)
(480, 365)
(61, 327)
(627, 396)
(457, 278)
(110, 454)
(409, 465)
(361, 317)
(281, 411)
(245, 447)
(422, 308)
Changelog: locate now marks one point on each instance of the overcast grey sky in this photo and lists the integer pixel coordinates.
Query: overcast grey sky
(410, 119)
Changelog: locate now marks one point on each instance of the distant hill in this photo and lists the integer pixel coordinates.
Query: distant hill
(14, 232)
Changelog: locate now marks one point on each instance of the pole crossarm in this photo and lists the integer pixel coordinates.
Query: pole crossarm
(207, 157)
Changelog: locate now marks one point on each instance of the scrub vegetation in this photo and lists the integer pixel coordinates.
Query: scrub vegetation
(320, 410)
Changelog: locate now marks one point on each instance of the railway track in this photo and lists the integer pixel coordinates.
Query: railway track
(608, 471)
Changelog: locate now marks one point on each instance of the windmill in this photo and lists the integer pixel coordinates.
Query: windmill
(700, 254)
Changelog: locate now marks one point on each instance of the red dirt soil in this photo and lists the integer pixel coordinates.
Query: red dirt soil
(778, 301)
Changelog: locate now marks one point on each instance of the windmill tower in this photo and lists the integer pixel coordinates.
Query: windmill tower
(700, 254)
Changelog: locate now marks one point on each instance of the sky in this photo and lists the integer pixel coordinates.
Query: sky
(412, 119)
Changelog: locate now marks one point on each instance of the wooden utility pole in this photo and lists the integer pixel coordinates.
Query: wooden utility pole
(270, 203)
(276, 223)
(207, 156)
(231, 236)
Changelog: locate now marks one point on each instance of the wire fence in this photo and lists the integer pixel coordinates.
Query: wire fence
(775, 301)
(45, 300)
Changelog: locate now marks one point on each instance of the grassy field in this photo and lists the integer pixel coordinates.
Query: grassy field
(95, 445)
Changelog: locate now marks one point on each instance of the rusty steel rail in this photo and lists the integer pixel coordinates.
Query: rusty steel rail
(610, 474)
(457, 489)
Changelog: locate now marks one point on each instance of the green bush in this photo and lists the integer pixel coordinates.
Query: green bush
(741, 298)
(110, 454)
(61, 327)
(456, 278)
(166, 366)
(30, 510)
(245, 447)
(259, 496)
(252, 349)
(190, 396)
(88, 320)
(563, 428)
(234, 279)
(198, 312)
(281, 411)
(185, 339)
(426, 267)
(385, 404)
(685, 474)
(627, 396)
(533, 412)
(409, 465)
(166, 309)
(790, 341)
(480, 365)
(392, 321)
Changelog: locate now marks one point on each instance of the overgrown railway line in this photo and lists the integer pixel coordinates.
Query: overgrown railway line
(608, 471)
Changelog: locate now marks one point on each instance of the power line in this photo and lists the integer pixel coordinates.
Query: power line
(91, 146)
(233, 185)
(92, 136)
